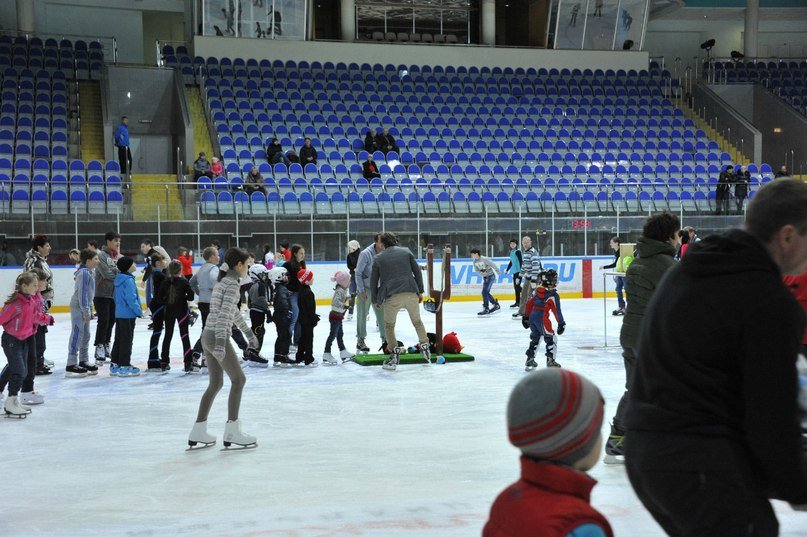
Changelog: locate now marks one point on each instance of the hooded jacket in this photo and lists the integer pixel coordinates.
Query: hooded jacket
(105, 273)
(34, 259)
(127, 300)
(21, 317)
(733, 377)
(641, 279)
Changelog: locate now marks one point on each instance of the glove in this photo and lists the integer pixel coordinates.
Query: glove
(561, 328)
(534, 279)
(525, 322)
(51, 320)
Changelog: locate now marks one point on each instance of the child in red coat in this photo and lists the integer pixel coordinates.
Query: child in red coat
(554, 417)
(186, 258)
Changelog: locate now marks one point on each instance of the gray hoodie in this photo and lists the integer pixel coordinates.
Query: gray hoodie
(485, 267)
(204, 281)
(105, 273)
(364, 268)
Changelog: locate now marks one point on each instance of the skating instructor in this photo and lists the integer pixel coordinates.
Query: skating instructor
(712, 418)
(396, 282)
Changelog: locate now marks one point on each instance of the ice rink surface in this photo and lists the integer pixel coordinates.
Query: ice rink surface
(343, 451)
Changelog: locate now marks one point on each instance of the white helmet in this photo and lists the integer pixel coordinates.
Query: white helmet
(277, 274)
(257, 272)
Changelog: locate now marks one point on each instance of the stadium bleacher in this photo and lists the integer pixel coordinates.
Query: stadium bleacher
(787, 79)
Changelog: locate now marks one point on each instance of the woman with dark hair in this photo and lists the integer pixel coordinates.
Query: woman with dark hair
(220, 355)
(683, 236)
(293, 266)
(37, 257)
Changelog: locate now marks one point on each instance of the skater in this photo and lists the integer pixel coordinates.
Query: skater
(338, 302)
(186, 258)
(159, 264)
(489, 272)
(516, 259)
(105, 274)
(175, 292)
(281, 300)
(221, 357)
(353, 249)
(293, 266)
(260, 294)
(573, 18)
(397, 282)
(620, 280)
(598, 7)
(20, 317)
(718, 408)
(78, 351)
(655, 249)
(308, 319)
(531, 268)
(127, 309)
(27, 395)
(37, 257)
(554, 417)
(147, 249)
(202, 284)
(545, 300)
(364, 270)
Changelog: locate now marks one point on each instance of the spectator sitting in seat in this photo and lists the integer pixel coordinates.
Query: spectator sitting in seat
(254, 182)
(782, 172)
(307, 153)
(275, 154)
(369, 142)
(216, 168)
(369, 168)
(201, 167)
(386, 142)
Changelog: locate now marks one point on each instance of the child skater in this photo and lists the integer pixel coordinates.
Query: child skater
(27, 394)
(20, 317)
(159, 264)
(220, 355)
(127, 309)
(489, 272)
(175, 292)
(186, 258)
(78, 357)
(281, 300)
(545, 300)
(340, 298)
(259, 294)
(308, 319)
(554, 418)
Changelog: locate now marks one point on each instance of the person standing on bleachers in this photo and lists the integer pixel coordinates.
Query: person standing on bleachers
(386, 142)
(723, 190)
(122, 143)
(741, 181)
(369, 169)
(308, 154)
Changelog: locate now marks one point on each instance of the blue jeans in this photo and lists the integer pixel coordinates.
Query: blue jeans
(336, 333)
(16, 351)
(294, 326)
(620, 286)
(487, 298)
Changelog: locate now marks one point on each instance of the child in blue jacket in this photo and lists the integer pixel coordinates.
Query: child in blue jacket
(127, 309)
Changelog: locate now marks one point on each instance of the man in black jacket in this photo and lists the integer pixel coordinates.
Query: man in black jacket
(308, 154)
(712, 410)
(386, 142)
(723, 190)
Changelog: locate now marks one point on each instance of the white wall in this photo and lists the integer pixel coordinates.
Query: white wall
(416, 54)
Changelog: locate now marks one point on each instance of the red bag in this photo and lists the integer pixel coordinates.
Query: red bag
(451, 343)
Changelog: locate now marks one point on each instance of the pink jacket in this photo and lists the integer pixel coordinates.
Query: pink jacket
(21, 317)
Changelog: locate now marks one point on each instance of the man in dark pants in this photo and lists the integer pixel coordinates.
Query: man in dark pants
(105, 273)
(620, 280)
(655, 248)
(122, 143)
(712, 414)
(723, 191)
(516, 259)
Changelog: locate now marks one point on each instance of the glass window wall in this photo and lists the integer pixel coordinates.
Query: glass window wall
(430, 20)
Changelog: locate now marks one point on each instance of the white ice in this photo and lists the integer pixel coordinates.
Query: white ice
(343, 451)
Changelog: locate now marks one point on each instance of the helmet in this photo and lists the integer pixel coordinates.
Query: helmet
(257, 272)
(549, 278)
(277, 274)
(430, 305)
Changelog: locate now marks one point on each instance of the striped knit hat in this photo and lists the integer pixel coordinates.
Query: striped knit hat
(556, 415)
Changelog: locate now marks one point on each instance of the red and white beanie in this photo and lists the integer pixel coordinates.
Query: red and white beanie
(555, 415)
(305, 275)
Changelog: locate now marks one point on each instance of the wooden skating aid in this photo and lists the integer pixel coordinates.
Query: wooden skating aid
(439, 295)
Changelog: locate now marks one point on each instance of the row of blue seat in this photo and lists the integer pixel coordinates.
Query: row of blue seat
(38, 202)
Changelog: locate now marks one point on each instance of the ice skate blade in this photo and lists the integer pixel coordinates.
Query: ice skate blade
(192, 446)
(614, 459)
(75, 375)
(329, 364)
(230, 446)
(11, 416)
(257, 364)
(389, 367)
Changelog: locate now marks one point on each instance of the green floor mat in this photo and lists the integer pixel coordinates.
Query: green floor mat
(378, 359)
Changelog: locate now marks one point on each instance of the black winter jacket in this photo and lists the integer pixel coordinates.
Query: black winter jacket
(282, 304)
(308, 306)
(717, 358)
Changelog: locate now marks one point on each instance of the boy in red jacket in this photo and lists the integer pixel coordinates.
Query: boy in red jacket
(554, 417)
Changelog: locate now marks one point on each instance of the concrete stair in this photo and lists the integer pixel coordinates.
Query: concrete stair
(149, 193)
(92, 125)
(201, 133)
(712, 134)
